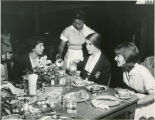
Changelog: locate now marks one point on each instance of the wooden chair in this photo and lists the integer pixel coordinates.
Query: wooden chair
(108, 85)
(149, 63)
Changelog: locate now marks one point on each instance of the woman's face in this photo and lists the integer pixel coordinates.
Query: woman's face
(90, 47)
(120, 60)
(39, 49)
(78, 24)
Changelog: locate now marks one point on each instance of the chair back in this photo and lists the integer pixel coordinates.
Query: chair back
(108, 85)
(149, 63)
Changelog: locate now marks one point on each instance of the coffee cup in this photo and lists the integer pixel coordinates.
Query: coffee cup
(123, 93)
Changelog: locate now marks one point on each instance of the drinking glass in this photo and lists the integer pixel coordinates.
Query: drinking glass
(73, 68)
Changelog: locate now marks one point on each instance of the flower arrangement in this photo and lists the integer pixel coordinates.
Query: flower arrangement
(44, 69)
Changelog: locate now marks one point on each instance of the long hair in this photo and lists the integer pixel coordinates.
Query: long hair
(95, 39)
(130, 53)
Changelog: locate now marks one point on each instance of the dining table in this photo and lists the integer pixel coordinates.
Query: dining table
(86, 111)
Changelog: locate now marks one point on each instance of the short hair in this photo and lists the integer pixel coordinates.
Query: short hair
(35, 40)
(79, 14)
(95, 39)
(130, 53)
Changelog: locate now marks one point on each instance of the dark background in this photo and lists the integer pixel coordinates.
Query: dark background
(116, 21)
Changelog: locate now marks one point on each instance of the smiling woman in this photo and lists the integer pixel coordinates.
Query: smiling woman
(136, 77)
(29, 60)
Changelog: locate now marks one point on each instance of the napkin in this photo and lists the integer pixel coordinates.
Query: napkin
(13, 89)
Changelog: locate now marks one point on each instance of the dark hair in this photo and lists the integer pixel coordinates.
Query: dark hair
(79, 14)
(35, 40)
(95, 39)
(130, 53)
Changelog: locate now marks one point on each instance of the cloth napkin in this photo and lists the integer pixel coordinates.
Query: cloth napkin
(13, 89)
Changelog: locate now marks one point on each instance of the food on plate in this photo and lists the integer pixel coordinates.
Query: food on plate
(105, 100)
(12, 117)
(96, 88)
(78, 82)
(80, 95)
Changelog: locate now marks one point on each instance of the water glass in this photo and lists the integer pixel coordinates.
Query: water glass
(72, 106)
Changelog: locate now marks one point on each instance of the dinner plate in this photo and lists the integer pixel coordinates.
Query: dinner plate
(80, 95)
(55, 117)
(124, 98)
(81, 83)
(96, 87)
(106, 100)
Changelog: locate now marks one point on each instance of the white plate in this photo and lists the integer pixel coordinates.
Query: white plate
(106, 100)
(80, 95)
(124, 98)
(90, 87)
(78, 85)
(81, 83)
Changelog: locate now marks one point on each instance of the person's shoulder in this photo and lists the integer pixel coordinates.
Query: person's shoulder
(138, 68)
(87, 28)
(23, 56)
(67, 30)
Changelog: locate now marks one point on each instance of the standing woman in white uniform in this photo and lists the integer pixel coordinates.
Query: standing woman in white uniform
(74, 36)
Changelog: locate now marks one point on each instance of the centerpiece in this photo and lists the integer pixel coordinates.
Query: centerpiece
(44, 70)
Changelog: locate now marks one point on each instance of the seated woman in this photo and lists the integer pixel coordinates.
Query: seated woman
(96, 67)
(29, 60)
(137, 78)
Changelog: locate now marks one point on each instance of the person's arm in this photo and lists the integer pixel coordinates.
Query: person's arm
(146, 100)
(149, 83)
(105, 74)
(101, 76)
(61, 48)
(64, 39)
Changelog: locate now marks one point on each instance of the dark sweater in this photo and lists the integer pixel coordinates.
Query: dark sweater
(101, 71)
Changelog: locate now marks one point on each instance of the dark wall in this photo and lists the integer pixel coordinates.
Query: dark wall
(117, 22)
